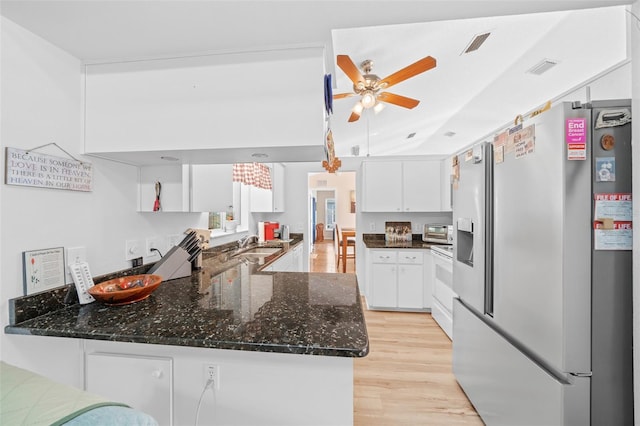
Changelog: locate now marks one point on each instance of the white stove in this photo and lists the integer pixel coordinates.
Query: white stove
(443, 295)
(443, 249)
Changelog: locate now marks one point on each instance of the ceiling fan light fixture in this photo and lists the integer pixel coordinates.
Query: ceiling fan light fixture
(357, 108)
(379, 107)
(368, 99)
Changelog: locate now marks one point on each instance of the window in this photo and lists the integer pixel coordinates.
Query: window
(218, 222)
(330, 213)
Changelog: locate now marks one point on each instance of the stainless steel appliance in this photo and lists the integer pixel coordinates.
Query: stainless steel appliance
(542, 266)
(442, 292)
(437, 233)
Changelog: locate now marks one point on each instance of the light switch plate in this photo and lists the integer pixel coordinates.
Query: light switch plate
(134, 249)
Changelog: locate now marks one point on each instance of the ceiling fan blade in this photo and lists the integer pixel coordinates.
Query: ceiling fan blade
(424, 64)
(354, 117)
(349, 68)
(343, 95)
(399, 100)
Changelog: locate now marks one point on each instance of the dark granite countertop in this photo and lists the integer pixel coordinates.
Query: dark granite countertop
(227, 304)
(377, 241)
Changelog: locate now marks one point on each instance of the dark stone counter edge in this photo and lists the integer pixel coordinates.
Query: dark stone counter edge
(255, 347)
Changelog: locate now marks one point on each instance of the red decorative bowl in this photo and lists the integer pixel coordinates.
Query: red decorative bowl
(125, 290)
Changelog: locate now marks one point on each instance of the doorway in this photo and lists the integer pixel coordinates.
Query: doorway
(331, 202)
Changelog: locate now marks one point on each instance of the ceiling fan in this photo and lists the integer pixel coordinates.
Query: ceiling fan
(369, 86)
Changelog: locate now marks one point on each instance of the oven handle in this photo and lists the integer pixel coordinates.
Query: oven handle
(443, 257)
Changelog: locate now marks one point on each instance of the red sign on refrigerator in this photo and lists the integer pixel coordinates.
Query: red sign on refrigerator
(576, 138)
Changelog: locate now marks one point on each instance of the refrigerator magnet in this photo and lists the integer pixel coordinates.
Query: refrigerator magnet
(605, 169)
(607, 142)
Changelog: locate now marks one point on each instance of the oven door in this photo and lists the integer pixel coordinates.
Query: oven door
(443, 295)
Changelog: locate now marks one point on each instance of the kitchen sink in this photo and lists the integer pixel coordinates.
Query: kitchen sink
(258, 252)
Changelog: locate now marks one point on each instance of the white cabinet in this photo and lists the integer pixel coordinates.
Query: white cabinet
(211, 187)
(381, 185)
(397, 279)
(186, 188)
(142, 382)
(401, 186)
(291, 261)
(270, 200)
(446, 185)
(421, 186)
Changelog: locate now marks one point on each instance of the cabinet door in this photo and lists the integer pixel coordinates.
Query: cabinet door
(211, 187)
(445, 185)
(421, 186)
(284, 264)
(410, 286)
(144, 383)
(381, 185)
(384, 285)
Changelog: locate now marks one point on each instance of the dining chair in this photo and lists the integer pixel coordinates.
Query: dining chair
(337, 244)
(319, 232)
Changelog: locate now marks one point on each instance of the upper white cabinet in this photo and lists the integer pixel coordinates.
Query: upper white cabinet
(209, 108)
(401, 186)
(421, 186)
(381, 185)
(211, 187)
(186, 188)
(270, 200)
(447, 188)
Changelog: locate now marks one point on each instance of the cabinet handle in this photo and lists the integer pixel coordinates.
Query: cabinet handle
(157, 374)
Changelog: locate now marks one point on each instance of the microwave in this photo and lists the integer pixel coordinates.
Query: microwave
(438, 233)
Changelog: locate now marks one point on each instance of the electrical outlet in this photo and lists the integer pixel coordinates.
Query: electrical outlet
(212, 372)
(174, 239)
(372, 226)
(134, 249)
(155, 243)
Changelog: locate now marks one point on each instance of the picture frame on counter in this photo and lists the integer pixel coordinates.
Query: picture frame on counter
(43, 269)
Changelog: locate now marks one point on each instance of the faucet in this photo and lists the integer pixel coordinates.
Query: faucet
(245, 240)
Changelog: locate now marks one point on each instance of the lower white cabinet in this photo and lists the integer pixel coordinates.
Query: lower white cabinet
(290, 262)
(142, 382)
(397, 279)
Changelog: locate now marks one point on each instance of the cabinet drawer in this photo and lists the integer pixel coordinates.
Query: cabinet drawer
(383, 256)
(444, 295)
(410, 257)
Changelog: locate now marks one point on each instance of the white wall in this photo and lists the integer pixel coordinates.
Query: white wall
(42, 103)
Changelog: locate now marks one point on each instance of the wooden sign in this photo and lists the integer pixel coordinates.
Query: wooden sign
(30, 168)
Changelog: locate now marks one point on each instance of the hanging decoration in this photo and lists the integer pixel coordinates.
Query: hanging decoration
(30, 168)
(254, 174)
(332, 163)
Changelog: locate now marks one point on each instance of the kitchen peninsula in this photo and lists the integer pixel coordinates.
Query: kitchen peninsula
(281, 343)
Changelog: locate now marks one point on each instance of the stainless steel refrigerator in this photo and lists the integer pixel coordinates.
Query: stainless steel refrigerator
(542, 330)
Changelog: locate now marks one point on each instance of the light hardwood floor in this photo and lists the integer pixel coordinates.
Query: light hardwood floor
(406, 379)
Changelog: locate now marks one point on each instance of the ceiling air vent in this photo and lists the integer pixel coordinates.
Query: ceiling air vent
(410, 135)
(476, 43)
(542, 67)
